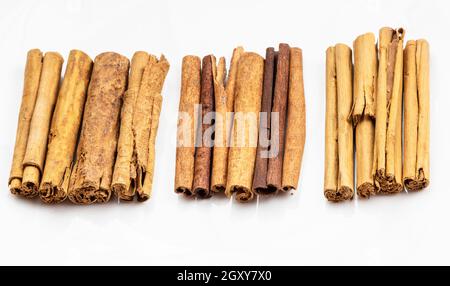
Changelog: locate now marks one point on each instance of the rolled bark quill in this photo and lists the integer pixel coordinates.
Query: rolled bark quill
(133, 170)
(186, 129)
(295, 123)
(338, 125)
(247, 105)
(224, 91)
(124, 176)
(416, 165)
(91, 177)
(65, 128)
(33, 162)
(387, 167)
(280, 99)
(146, 121)
(261, 164)
(30, 89)
(363, 114)
(203, 153)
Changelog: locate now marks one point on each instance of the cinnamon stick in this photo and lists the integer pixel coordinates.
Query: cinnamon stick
(30, 89)
(247, 105)
(91, 177)
(34, 159)
(146, 121)
(224, 91)
(190, 96)
(416, 167)
(65, 128)
(203, 153)
(363, 113)
(275, 164)
(387, 167)
(339, 145)
(124, 177)
(261, 163)
(295, 123)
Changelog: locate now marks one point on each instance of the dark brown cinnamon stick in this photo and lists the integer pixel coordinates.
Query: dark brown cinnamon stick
(261, 164)
(203, 154)
(275, 168)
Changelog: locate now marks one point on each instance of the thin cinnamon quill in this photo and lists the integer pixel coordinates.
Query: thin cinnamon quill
(295, 123)
(338, 126)
(33, 162)
(280, 99)
(186, 129)
(203, 153)
(416, 166)
(365, 75)
(91, 177)
(247, 105)
(65, 127)
(30, 90)
(224, 92)
(261, 163)
(387, 167)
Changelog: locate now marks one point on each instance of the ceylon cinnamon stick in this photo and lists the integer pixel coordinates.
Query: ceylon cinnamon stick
(364, 111)
(387, 167)
(124, 177)
(224, 91)
(189, 98)
(146, 121)
(339, 129)
(65, 128)
(261, 163)
(416, 166)
(295, 124)
(247, 105)
(30, 89)
(34, 159)
(91, 177)
(275, 165)
(203, 153)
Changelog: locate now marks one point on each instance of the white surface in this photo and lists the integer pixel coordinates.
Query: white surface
(302, 228)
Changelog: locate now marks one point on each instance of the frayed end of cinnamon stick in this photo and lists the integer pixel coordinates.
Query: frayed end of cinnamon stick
(218, 188)
(89, 195)
(342, 194)
(416, 184)
(121, 192)
(366, 190)
(50, 193)
(28, 190)
(387, 183)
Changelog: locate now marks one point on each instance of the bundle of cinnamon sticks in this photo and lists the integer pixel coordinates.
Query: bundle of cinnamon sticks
(368, 99)
(241, 134)
(92, 135)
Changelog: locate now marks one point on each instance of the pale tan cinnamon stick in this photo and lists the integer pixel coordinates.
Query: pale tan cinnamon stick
(189, 98)
(224, 91)
(145, 123)
(364, 111)
(65, 128)
(295, 124)
(416, 173)
(34, 159)
(247, 105)
(339, 164)
(30, 89)
(91, 177)
(124, 177)
(387, 167)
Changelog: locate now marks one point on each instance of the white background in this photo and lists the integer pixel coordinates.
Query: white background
(302, 228)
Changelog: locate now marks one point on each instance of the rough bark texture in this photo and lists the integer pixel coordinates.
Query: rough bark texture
(91, 177)
(65, 128)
